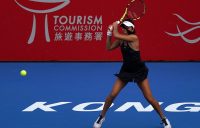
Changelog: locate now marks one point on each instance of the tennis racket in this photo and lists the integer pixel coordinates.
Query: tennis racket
(134, 10)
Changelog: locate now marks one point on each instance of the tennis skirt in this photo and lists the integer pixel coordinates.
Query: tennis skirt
(132, 73)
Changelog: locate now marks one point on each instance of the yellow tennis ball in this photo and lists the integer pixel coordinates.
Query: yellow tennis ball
(23, 73)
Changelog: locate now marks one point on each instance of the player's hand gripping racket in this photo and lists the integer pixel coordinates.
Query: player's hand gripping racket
(134, 10)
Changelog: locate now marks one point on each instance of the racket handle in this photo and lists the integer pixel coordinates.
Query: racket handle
(124, 15)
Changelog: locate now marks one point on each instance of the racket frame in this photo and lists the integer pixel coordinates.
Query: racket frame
(126, 11)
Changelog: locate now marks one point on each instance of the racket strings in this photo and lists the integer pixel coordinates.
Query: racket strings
(136, 9)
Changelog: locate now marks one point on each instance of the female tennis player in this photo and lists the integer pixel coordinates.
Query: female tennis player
(132, 69)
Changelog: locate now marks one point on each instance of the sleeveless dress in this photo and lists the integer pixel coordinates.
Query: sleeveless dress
(133, 68)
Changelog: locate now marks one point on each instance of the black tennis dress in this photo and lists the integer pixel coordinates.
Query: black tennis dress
(133, 68)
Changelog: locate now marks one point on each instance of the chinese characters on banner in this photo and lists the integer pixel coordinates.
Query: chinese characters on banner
(66, 30)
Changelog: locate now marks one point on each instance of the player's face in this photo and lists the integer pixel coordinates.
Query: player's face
(130, 29)
(124, 31)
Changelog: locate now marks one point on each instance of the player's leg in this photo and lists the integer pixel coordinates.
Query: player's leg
(145, 88)
(117, 87)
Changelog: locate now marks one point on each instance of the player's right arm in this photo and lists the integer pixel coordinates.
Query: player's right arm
(112, 45)
(109, 44)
